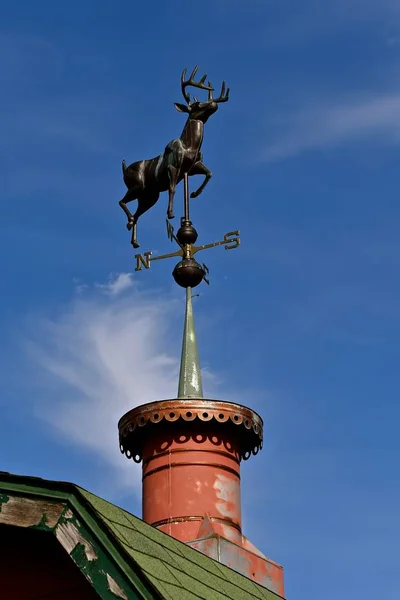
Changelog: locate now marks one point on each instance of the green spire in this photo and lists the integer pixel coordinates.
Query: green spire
(190, 384)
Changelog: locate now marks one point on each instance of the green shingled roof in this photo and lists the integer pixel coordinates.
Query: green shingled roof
(173, 570)
(176, 570)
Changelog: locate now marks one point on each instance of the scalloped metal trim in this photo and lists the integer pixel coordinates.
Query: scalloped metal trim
(187, 410)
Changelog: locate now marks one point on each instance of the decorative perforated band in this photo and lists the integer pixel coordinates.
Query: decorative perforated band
(232, 421)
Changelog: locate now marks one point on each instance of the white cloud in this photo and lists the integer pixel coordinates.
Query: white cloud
(330, 125)
(108, 350)
(106, 353)
(117, 284)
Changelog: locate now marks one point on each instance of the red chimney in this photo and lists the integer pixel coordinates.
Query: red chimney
(191, 449)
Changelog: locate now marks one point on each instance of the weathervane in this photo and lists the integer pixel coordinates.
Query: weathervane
(182, 158)
(191, 431)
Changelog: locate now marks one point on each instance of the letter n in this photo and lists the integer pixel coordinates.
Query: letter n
(143, 260)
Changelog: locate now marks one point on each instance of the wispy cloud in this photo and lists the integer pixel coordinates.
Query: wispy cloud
(108, 350)
(117, 284)
(325, 125)
(105, 353)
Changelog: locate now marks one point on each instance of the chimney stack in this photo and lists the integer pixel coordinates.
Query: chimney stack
(191, 449)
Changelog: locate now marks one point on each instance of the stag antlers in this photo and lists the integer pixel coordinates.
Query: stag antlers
(201, 85)
(192, 83)
(223, 97)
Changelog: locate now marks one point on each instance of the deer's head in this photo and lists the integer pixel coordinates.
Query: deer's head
(200, 111)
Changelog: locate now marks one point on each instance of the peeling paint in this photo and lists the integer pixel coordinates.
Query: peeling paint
(115, 588)
(230, 534)
(228, 492)
(57, 518)
(24, 512)
(3, 498)
(254, 566)
(69, 537)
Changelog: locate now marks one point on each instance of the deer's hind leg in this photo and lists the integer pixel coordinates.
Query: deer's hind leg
(173, 180)
(131, 194)
(173, 155)
(145, 202)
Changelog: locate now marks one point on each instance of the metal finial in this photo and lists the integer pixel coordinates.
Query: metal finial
(190, 381)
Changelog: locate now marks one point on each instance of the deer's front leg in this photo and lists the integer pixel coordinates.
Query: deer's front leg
(200, 169)
(173, 178)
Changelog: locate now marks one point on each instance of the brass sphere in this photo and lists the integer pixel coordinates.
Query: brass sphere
(188, 273)
(186, 234)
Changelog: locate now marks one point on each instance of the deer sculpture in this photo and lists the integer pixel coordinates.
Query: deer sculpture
(146, 179)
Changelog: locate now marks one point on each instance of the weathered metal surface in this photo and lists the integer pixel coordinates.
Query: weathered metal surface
(190, 381)
(191, 451)
(228, 493)
(194, 475)
(238, 554)
(254, 566)
(233, 423)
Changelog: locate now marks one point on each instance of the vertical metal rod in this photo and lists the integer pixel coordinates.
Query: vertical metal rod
(186, 195)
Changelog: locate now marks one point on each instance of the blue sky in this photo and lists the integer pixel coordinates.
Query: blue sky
(301, 323)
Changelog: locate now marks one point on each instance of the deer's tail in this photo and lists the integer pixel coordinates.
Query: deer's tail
(123, 167)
